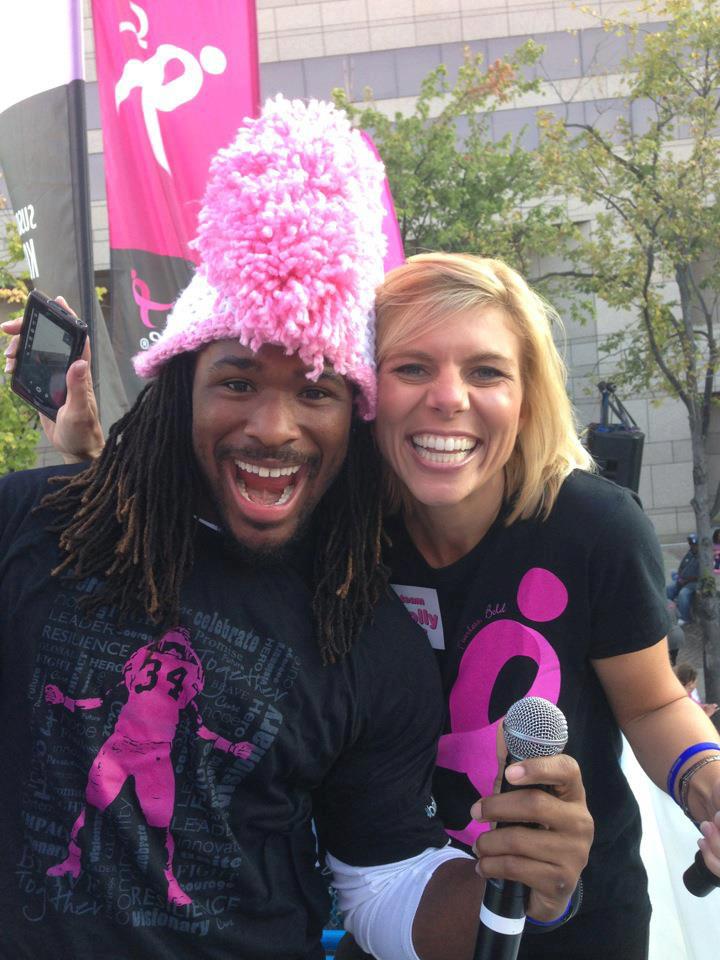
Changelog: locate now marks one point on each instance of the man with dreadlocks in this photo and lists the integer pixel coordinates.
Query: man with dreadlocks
(236, 505)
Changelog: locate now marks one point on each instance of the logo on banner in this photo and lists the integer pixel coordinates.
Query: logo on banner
(423, 605)
(146, 305)
(159, 95)
(26, 223)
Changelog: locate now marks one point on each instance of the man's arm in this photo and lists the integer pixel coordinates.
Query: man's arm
(77, 433)
(548, 860)
(439, 902)
(447, 918)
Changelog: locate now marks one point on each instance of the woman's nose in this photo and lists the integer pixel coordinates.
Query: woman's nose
(448, 394)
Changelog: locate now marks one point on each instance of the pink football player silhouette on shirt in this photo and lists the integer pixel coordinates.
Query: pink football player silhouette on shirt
(161, 678)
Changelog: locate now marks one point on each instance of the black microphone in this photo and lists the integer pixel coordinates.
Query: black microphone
(533, 727)
(698, 879)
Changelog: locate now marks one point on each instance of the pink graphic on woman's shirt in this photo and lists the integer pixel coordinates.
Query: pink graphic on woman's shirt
(162, 679)
(541, 595)
(471, 746)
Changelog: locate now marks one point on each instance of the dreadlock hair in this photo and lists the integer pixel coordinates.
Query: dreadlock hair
(349, 574)
(129, 519)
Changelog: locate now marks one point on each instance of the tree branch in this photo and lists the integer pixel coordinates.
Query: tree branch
(650, 331)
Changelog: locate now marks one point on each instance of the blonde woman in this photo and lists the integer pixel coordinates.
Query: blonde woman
(531, 575)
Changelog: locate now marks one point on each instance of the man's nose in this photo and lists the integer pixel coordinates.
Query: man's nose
(448, 393)
(272, 421)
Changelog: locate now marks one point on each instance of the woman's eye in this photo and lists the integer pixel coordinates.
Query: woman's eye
(487, 373)
(410, 370)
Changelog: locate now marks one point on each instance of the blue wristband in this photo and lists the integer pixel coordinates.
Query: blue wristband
(574, 904)
(684, 756)
(552, 923)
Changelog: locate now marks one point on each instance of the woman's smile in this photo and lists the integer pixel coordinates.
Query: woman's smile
(453, 451)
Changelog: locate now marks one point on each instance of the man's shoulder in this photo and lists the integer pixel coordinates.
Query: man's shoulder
(394, 641)
(21, 492)
(32, 485)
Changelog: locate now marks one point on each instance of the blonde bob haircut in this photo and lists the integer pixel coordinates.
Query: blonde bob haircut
(422, 295)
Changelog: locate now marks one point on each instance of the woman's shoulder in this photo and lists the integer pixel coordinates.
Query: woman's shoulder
(589, 491)
(590, 505)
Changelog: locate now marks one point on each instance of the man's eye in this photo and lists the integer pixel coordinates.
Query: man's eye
(238, 386)
(314, 393)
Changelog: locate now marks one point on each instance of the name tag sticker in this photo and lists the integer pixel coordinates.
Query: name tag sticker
(424, 607)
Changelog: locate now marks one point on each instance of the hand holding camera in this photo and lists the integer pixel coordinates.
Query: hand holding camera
(65, 399)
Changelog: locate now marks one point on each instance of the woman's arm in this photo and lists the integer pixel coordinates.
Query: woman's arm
(661, 721)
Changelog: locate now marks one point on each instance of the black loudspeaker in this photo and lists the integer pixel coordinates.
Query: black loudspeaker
(618, 453)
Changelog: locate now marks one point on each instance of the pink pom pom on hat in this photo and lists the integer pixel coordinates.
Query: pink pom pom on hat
(291, 244)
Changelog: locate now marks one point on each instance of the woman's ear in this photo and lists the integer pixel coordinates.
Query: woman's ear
(522, 419)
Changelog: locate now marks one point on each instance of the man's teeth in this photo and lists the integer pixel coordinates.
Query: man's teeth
(266, 497)
(442, 449)
(267, 471)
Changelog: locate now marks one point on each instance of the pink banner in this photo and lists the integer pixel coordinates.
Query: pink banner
(175, 81)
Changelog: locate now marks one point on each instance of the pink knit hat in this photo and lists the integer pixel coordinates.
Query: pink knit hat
(291, 245)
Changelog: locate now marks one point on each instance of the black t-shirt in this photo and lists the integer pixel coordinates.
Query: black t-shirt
(139, 770)
(522, 614)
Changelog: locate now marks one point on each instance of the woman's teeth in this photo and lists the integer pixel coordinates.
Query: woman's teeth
(442, 449)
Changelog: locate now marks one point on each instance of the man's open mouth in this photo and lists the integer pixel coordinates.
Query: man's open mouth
(267, 486)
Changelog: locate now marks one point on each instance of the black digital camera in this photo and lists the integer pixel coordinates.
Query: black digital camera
(51, 338)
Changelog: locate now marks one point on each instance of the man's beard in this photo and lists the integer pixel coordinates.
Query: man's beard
(267, 555)
(272, 555)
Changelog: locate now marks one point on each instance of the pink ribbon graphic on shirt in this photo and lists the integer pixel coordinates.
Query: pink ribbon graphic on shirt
(471, 747)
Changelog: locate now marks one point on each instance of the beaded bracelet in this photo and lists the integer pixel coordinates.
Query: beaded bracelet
(574, 904)
(685, 784)
(685, 755)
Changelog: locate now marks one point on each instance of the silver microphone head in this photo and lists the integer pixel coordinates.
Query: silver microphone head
(534, 727)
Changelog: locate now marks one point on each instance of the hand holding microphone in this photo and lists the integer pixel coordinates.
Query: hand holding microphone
(537, 868)
(699, 878)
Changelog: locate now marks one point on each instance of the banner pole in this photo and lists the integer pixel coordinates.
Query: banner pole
(79, 167)
(81, 204)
